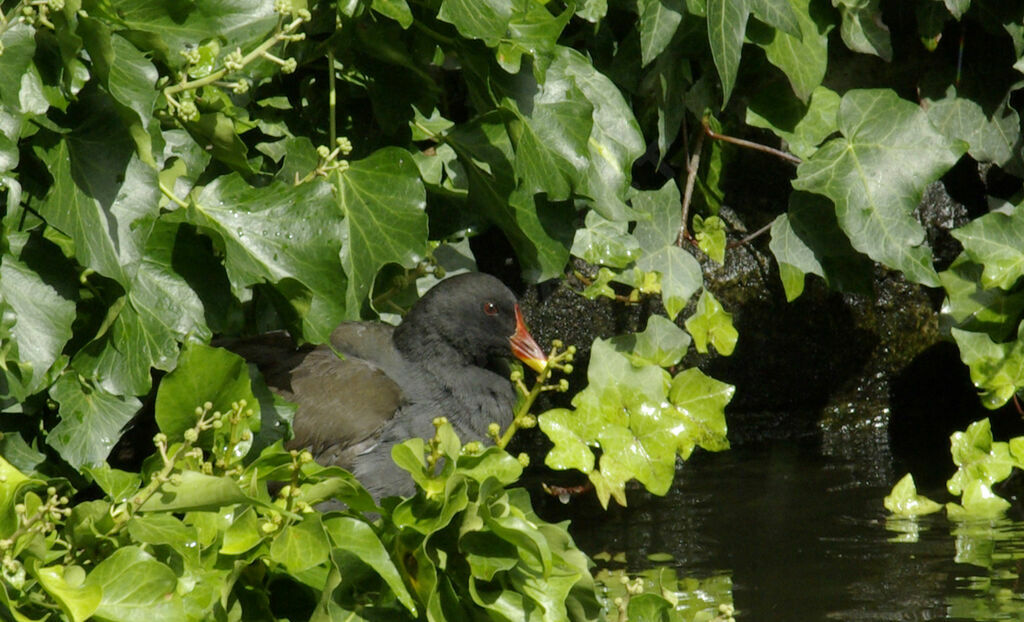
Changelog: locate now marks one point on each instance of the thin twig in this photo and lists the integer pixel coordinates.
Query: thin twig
(789, 157)
(750, 237)
(691, 175)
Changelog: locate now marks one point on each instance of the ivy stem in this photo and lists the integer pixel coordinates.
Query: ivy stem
(6, 21)
(691, 176)
(261, 50)
(332, 98)
(750, 237)
(789, 157)
(167, 192)
(561, 361)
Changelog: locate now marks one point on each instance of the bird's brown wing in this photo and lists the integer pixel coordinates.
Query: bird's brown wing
(341, 401)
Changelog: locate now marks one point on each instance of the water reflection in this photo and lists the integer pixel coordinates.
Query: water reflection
(803, 537)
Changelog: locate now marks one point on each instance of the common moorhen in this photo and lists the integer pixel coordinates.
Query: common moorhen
(391, 382)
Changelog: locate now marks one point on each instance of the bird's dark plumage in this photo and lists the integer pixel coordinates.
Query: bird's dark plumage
(392, 382)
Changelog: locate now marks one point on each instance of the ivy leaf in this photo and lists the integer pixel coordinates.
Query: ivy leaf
(802, 126)
(204, 374)
(876, 173)
(532, 31)
(710, 234)
(265, 238)
(979, 309)
(79, 602)
(862, 28)
(701, 401)
(486, 20)
(680, 272)
(659, 20)
(978, 501)
(801, 49)
(997, 369)
(779, 14)
(159, 311)
(135, 585)
(605, 243)
(615, 140)
(167, 30)
(550, 142)
(904, 500)
(383, 201)
(727, 24)
(301, 546)
(661, 343)
(42, 320)
(990, 140)
(710, 324)
(996, 241)
(808, 240)
(90, 421)
(485, 150)
(397, 10)
(359, 538)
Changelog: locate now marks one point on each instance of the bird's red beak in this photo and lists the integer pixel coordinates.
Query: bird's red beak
(525, 348)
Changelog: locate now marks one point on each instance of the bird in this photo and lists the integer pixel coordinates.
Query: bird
(373, 385)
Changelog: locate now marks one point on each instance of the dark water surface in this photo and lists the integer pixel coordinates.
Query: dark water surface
(803, 537)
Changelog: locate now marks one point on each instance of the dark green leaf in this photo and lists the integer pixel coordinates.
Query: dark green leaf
(727, 25)
(659, 20)
(204, 374)
(875, 174)
(90, 421)
(996, 241)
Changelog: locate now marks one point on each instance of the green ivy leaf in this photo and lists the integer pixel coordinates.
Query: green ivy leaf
(265, 238)
(727, 25)
(710, 234)
(661, 343)
(989, 139)
(680, 272)
(799, 46)
(551, 140)
(808, 240)
(358, 538)
(383, 201)
(135, 586)
(976, 308)
(615, 140)
(779, 14)
(802, 126)
(90, 421)
(605, 242)
(701, 402)
(862, 28)
(904, 500)
(167, 30)
(659, 20)
(77, 601)
(997, 369)
(197, 491)
(996, 241)
(204, 374)
(397, 10)
(711, 324)
(978, 501)
(979, 458)
(876, 173)
(301, 546)
(42, 319)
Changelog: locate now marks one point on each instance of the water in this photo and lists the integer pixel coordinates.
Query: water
(803, 537)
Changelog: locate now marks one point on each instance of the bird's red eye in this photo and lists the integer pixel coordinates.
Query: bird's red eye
(490, 308)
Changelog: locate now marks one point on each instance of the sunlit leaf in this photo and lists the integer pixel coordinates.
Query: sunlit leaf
(876, 173)
(904, 500)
